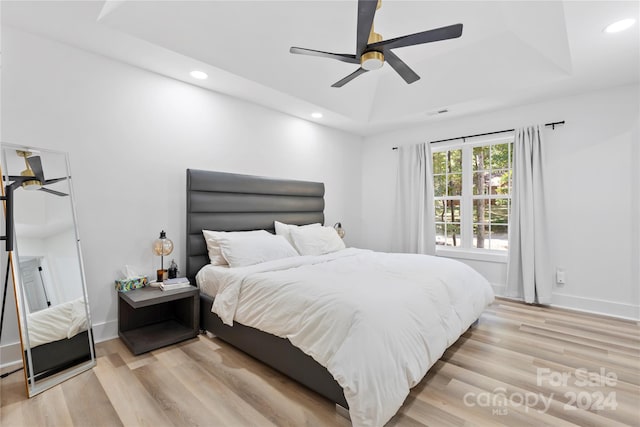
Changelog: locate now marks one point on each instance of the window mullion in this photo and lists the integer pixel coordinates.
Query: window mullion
(466, 204)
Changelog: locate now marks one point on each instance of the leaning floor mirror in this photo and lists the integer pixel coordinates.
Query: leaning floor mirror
(46, 264)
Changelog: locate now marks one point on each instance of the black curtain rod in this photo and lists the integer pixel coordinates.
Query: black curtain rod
(552, 124)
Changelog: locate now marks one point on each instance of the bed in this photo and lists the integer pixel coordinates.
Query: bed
(231, 202)
(58, 338)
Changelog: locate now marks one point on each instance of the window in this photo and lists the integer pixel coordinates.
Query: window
(472, 188)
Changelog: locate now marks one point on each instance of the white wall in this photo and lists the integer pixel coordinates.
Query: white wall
(131, 135)
(593, 165)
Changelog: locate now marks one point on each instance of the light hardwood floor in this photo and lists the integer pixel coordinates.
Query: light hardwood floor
(516, 351)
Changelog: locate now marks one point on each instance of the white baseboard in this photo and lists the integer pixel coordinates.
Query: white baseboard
(10, 353)
(587, 305)
(597, 306)
(105, 331)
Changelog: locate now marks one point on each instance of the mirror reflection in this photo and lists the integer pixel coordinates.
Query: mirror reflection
(47, 267)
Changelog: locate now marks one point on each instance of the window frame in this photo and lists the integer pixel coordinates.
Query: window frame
(467, 198)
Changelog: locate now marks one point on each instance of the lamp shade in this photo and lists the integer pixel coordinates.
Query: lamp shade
(162, 246)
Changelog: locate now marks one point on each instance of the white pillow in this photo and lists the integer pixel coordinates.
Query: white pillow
(240, 251)
(213, 247)
(284, 230)
(316, 240)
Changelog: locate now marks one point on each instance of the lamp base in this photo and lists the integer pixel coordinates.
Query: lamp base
(162, 275)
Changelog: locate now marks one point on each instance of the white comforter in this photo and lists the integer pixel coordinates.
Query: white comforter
(376, 321)
(58, 322)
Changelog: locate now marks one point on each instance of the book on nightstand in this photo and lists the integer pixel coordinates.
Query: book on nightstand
(177, 283)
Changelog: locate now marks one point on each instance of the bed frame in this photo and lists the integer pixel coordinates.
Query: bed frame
(56, 356)
(232, 202)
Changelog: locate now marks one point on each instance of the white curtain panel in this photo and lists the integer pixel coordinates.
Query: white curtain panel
(414, 226)
(529, 275)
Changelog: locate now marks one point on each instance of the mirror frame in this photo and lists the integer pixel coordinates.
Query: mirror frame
(35, 386)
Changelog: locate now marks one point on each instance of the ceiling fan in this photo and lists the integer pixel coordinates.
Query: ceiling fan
(372, 51)
(32, 178)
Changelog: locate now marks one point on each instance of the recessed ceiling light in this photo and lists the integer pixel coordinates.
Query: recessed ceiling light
(618, 26)
(316, 115)
(200, 75)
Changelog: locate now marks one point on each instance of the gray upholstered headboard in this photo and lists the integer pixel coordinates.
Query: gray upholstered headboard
(231, 202)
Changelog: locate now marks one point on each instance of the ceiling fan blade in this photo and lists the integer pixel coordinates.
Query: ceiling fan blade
(36, 166)
(366, 12)
(351, 59)
(350, 77)
(57, 193)
(401, 67)
(54, 180)
(444, 33)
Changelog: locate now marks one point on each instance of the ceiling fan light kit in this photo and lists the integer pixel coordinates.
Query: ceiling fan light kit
(32, 185)
(372, 51)
(372, 60)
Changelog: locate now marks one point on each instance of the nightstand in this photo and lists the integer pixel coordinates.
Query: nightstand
(149, 318)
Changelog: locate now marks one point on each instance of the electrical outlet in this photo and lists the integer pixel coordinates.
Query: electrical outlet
(561, 277)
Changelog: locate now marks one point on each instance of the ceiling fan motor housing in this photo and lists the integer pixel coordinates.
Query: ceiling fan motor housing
(373, 59)
(30, 184)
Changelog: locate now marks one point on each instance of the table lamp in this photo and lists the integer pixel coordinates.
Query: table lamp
(162, 246)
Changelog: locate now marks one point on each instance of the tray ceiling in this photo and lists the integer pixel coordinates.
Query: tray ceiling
(510, 53)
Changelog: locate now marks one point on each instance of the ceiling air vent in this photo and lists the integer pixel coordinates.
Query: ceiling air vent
(435, 113)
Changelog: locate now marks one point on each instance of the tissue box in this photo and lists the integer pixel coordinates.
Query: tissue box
(124, 285)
